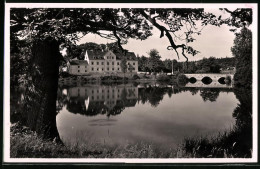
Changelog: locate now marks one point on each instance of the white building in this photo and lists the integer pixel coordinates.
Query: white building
(103, 63)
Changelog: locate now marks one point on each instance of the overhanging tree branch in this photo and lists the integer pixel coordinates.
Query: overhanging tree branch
(165, 31)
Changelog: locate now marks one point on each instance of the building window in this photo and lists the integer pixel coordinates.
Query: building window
(112, 57)
(107, 63)
(134, 63)
(102, 63)
(85, 66)
(107, 68)
(92, 69)
(92, 63)
(97, 63)
(78, 66)
(118, 68)
(97, 69)
(102, 69)
(112, 63)
(85, 70)
(112, 68)
(117, 63)
(78, 70)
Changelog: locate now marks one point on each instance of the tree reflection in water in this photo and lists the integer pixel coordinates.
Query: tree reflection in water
(110, 99)
(210, 94)
(243, 116)
(234, 143)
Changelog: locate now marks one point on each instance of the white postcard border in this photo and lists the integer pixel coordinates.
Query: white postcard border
(6, 90)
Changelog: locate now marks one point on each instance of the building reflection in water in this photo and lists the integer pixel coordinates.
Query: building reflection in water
(92, 100)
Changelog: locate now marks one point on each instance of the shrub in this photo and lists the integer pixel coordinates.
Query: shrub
(112, 78)
(182, 79)
(136, 77)
(163, 77)
(146, 76)
(64, 74)
(228, 80)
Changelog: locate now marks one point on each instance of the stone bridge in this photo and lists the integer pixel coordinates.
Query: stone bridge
(214, 84)
(213, 76)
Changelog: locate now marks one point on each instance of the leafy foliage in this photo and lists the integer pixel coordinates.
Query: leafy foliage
(154, 61)
(209, 65)
(143, 64)
(239, 17)
(242, 50)
(182, 79)
(163, 77)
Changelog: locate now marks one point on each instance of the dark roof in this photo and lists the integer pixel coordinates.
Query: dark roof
(96, 55)
(78, 62)
(129, 56)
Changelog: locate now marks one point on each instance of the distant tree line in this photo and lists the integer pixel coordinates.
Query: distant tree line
(153, 63)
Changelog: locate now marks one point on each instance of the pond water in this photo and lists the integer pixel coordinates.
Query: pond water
(154, 113)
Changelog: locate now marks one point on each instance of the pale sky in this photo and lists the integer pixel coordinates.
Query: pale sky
(214, 41)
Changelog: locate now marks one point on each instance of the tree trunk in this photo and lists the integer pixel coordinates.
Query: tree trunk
(41, 93)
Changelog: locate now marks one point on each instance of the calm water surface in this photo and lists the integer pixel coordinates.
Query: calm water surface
(159, 114)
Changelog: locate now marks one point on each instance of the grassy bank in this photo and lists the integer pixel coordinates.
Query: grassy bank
(229, 144)
(233, 143)
(26, 144)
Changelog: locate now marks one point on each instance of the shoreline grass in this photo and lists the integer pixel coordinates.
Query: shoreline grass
(27, 144)
(232, 143)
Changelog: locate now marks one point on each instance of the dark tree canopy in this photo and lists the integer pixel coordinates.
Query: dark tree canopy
(67, 24)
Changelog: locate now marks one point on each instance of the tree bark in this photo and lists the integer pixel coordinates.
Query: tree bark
(41, 93)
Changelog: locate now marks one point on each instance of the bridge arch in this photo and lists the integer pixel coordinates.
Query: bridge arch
(222, 80)
(192, 80)
(206, 80)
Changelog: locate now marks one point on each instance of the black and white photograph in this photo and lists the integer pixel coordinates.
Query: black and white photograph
(130, 83)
